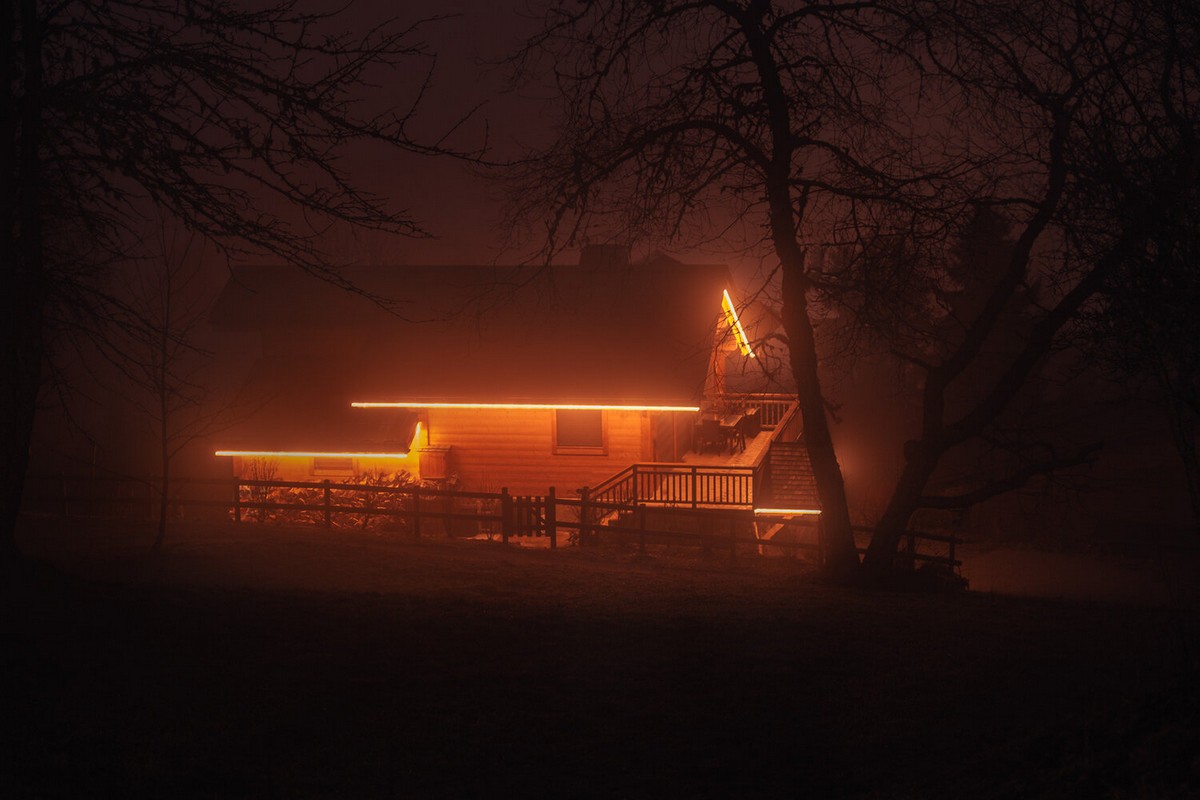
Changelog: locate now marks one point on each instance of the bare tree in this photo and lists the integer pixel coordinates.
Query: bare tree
(875, 125)
(1145, 325)
(155, 342)
(1085, 180)
(204, 109)
(766, 117)
(1146, 333)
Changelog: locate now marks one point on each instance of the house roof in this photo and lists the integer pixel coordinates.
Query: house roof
(632, 334)
(290, 410)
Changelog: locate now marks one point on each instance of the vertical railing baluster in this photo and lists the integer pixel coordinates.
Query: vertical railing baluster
(506, 514)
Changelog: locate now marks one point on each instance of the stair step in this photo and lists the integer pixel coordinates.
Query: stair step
(792, 482)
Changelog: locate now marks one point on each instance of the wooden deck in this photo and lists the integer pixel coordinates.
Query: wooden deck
(734, 478)
(756, 449)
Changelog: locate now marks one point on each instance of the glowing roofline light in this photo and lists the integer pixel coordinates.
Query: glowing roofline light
(786, 512)
(304, 454)
(520, 406)
(735, 324)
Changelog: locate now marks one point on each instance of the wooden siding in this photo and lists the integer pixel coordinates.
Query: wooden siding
(495, 448)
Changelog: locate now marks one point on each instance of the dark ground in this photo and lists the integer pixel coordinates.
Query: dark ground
(270, 662)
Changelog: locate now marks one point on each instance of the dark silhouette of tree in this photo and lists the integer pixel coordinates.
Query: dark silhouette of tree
(1084, 92)
(207, 110)
(1147, 333)
(764, 115)
(1145, 325)
(879, 127)
(154, 341)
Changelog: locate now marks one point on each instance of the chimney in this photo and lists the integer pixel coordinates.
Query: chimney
(600, 256)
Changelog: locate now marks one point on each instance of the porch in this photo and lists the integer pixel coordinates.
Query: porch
(755, 465)
(747, 424)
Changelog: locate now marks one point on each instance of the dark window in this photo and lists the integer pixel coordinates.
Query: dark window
(576, 429)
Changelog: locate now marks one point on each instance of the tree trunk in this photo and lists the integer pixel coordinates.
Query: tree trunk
(921, 459)
(784, 215)
(841, 553)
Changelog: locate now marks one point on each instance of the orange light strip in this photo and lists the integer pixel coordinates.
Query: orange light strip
(787, 512)
(735, 324)
(304, 454)
(520, 406)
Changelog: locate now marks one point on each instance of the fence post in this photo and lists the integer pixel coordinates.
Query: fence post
(237, 499)
(635, 484)
(416, 514)
(693, 487)
(328, 513)
(585, 513)
(506, 515)
(552, 518)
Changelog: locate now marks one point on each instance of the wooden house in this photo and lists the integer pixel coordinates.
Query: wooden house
(496, 376)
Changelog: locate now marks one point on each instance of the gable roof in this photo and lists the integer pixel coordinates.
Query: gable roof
(633, 334)
(299, 405)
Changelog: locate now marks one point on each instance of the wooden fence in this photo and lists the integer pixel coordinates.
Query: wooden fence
(421, 512)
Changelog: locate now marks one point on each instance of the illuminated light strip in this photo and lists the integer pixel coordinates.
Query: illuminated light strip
(520, 406)
(304, 454)
(787, 512)
(735, 324)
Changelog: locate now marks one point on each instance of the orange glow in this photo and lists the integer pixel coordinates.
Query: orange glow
(522, 406)
(304, 454)
(735, 325)
(787, 512)
(416, 436)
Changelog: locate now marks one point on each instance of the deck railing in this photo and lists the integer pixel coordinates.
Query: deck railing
(695, 486)
(676, 484)
(772, 407)
(789, 425)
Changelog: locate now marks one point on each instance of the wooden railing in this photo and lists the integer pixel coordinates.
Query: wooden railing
(772, 407)
(789, 426)
(676, 484)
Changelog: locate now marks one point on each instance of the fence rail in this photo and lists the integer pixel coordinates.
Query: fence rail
(605, 512)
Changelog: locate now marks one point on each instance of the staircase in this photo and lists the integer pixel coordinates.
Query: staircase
(792, 481)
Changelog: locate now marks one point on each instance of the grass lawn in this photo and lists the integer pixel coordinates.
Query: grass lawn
(289, 662)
